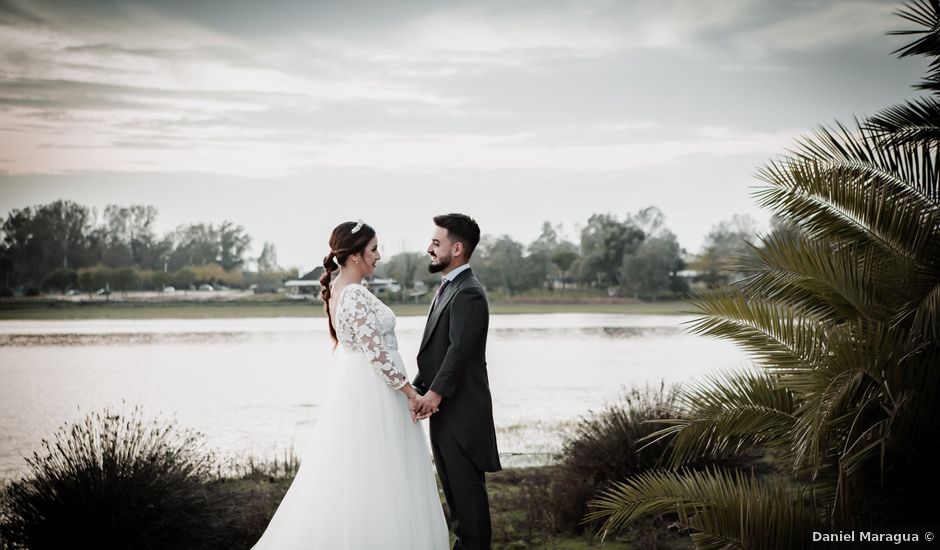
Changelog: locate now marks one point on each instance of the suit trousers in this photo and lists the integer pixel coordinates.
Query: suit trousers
(465, 490)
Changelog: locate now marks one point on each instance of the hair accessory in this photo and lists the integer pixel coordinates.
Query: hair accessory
(358, 226)
(335, 261)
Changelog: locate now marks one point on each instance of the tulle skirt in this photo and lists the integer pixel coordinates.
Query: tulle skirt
(365, 479)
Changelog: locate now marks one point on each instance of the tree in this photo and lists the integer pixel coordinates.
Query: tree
(650, 273)
(503, 265)
(404, 268)
(547, 240)
(211, 273)
(233, 243)
(101, 280)
(267, 261)
(605, 241)
(86, 280)
(64, 228)
(160, 253)
(195, 244)
(842, 317)
(160, 280)
(38, 240)
(61, 279)
(564, 259)
(184, 278)
(22, 252)
(115, 237)
(540, 251)
(726, 249)
(143, 241)
(650, 220)
(124, 279)
(130, 238)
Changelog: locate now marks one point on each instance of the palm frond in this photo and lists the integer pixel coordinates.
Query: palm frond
(817, 276)
(721, 509)
(915, 388)
(849, 379)
(847, 188)
(925, 13)
(925, 325)
(792, 290)
(910, 122)
(908, 168)
(774, 335)
(834, 206)
(729, 414)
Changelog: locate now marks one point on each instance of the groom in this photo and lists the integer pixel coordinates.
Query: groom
(453, 382)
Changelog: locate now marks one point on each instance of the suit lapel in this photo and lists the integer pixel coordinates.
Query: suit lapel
(441, 305)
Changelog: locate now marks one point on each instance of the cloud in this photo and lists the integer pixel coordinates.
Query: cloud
(814, 27)
(218, 150)
(515, 85)
(12, 14)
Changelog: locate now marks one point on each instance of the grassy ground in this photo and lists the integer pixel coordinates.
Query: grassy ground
(40, 309)
(518, 521)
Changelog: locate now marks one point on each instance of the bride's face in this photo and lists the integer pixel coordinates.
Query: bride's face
(370, 257)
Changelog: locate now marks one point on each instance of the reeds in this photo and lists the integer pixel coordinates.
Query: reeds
(114, 480)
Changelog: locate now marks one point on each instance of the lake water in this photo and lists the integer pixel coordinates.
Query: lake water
(253, 386)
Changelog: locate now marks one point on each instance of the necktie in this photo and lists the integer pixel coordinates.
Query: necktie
(440, 292)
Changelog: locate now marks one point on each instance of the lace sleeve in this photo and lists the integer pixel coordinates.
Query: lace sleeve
(368, 339)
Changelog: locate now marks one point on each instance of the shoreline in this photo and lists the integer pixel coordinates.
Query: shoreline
(44, 309)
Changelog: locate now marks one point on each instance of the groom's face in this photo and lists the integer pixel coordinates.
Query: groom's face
(440, 250)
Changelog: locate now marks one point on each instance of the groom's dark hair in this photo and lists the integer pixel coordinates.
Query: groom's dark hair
(461, 228)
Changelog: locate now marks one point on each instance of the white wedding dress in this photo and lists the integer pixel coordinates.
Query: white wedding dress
(365, 480)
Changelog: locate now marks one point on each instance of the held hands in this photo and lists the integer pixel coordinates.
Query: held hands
(423, 406)
(413, 407)
(428, 404)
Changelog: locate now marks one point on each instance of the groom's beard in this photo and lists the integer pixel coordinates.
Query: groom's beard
(441, 265)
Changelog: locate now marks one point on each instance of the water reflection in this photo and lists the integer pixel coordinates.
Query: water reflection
(137, 339)
(253, 386)
(590, 332)
(161, 338)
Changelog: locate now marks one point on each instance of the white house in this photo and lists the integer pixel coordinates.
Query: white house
(302, 290)
(381, 287)
(306, 287)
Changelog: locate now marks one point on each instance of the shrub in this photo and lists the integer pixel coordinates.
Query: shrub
(101, 278)
(605, 447)
(115, 481)
(86, 280)
(59, 279)
(125, 278)
(184, 278)
(158, 280)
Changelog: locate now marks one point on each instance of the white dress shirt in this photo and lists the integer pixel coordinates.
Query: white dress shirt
(457, 271)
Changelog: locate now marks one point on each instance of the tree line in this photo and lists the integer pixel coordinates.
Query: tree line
(635, 256)
(64, 245)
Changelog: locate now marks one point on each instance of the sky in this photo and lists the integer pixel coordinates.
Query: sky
(289, 117)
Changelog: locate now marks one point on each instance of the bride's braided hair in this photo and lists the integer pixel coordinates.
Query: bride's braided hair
(343, 244)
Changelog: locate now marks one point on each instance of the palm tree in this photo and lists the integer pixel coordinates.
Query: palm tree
(840, 314)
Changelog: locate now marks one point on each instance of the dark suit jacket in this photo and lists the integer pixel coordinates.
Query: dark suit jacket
(452, 362)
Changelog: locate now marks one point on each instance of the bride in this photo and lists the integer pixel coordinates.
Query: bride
(365, 480)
